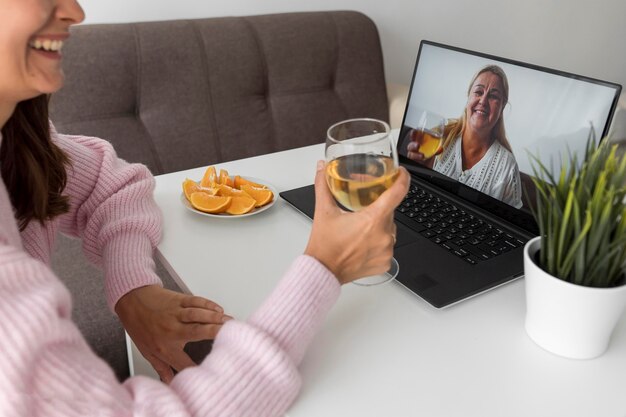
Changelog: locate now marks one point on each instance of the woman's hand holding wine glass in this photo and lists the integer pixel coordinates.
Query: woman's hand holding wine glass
(362, 242)
(361, 164)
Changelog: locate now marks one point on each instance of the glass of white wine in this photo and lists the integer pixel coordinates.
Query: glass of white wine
(361, 163)
(428, 133)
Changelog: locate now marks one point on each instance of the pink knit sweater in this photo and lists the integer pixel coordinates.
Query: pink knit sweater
(46, 367)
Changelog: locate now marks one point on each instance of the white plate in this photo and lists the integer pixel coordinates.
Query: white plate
(254, 211)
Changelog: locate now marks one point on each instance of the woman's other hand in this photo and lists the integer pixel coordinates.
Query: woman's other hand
(354, 245)
(161, 322)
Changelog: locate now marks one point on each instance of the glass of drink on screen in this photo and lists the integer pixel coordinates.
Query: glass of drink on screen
(361, 163)
(428, 133)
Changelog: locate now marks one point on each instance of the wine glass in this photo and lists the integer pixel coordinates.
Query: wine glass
(361, 163)
(427, 132)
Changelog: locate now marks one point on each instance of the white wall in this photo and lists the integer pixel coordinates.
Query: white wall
(580, 36)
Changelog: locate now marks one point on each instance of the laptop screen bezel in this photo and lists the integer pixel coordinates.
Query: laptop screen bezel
(519, 217)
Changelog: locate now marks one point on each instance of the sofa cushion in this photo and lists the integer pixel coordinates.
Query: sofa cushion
(181, 94)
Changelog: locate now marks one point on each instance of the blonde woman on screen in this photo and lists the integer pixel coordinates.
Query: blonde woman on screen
(475, 150)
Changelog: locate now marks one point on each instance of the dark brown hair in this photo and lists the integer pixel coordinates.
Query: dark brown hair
(32, 166)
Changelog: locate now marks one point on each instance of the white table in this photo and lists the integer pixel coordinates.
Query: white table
(383, 351)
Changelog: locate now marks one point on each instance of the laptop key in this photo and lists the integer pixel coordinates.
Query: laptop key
(511, 242)
(461, 253)
(504, 248)
(471, 260)
(428, 233)
(446, 245)
(438, 239)
(478, 253)
(417, 226)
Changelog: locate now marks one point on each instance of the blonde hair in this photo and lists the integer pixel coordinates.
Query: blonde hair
(456, 127)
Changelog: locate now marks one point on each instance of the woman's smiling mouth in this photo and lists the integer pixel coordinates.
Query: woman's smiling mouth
(49, 45)
(481, 112)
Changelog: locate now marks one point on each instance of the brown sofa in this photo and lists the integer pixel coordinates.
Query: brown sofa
(181, 94)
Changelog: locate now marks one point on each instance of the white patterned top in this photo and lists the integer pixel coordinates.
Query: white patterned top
(496, 174)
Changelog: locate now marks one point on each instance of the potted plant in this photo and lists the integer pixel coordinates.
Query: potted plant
(574, 269)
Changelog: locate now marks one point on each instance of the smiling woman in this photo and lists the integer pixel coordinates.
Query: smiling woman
(33, 37)
(76, 185)
(475, 149)
(32, 165)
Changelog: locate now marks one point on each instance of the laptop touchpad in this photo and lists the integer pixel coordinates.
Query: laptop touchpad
(404, 235)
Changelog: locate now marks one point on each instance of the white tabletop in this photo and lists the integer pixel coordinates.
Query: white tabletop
(383, 351)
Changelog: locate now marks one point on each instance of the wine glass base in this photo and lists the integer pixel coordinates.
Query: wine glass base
(384, 278)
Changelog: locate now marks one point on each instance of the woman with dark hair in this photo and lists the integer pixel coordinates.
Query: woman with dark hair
(77, 185)
(475, 149)
(74, 184)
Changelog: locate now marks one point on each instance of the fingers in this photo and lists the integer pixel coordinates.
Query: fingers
(200, 302)
(413, 147)
(161, 368)
(390, 199)
(323, 198)
(180, 360)
(200, 315)
(198, 331)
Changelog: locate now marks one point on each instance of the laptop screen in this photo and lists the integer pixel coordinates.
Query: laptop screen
(473, 123)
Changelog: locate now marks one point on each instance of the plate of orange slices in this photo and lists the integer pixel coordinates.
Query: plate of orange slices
(224, 196)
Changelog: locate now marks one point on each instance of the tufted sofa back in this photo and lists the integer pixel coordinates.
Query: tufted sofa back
(181, 94)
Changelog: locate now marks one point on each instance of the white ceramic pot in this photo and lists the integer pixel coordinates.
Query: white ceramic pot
(567, 319)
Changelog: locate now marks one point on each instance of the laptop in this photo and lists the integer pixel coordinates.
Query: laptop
(463, 225)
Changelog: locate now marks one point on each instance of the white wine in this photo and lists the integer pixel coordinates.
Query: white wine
(356, 181)
(429, 142)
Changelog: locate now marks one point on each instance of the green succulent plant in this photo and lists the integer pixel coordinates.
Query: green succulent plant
(582, 216)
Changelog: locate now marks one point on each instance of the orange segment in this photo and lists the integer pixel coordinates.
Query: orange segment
(240, 205)
(225, 178)
(241, 181)
(209, 178)
(227, 191)
(209, 203)
(190, 187)
(261, 195)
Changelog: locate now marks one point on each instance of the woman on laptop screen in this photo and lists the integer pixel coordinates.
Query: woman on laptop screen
(475, 150)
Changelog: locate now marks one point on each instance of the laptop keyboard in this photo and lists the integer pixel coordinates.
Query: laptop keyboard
(468, 236)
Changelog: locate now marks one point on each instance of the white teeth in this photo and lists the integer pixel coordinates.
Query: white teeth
(47, 45)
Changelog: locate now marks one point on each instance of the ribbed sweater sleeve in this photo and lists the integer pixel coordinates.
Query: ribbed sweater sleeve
(113, 211)
(48, 369)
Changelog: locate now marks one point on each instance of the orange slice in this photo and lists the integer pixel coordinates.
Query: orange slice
(190, 187)
(209, 203)
(226, 191)
(261, 195)
(209, 178)
(240, 205)
(225, 178)
(241, 181)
